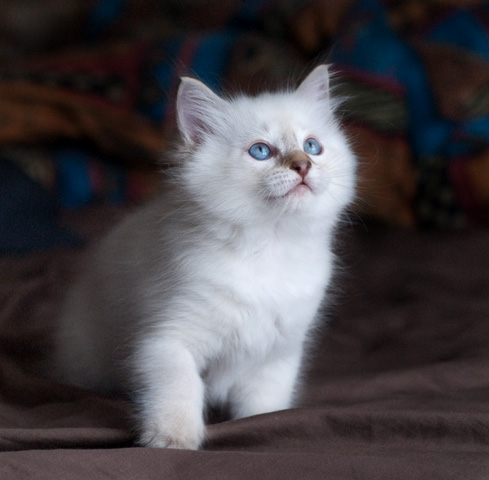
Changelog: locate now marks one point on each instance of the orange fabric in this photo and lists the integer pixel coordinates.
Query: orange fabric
(387, 178)
(32, 113)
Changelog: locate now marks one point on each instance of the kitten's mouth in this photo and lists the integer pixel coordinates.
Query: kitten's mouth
(299, 190)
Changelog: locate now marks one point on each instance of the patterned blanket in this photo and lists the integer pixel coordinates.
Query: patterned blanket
(91, 121)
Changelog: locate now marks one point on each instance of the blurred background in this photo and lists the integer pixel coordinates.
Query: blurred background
(87, 89)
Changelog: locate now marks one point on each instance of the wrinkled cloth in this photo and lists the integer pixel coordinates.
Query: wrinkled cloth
(396, 385)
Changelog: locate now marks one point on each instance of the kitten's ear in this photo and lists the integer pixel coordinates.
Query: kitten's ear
(198, 109)
(316, 84)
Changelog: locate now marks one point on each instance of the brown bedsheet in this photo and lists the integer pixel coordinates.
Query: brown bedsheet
(398, 386)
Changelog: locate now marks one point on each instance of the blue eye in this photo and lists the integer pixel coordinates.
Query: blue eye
(260, 151)
(312, 146)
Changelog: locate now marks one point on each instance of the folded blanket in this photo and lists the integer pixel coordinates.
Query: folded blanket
(396, 385)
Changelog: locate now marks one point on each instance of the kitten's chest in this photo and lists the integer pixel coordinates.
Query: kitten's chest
(279, 272)
(283, 278)
(263, 302)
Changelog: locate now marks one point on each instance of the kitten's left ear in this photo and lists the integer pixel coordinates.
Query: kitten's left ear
(198, 110)
(316, 84)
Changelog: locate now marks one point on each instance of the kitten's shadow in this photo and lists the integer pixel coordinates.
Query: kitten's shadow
(217, 415)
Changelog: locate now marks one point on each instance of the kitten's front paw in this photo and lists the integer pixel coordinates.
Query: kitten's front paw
(182, 435)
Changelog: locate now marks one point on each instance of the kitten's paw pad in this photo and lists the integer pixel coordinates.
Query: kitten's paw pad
(186, 438)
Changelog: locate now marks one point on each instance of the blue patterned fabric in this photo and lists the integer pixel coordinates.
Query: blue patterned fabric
(371, 46)
(28, 215)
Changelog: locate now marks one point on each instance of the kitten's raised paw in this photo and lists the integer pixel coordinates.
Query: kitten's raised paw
(180, 438)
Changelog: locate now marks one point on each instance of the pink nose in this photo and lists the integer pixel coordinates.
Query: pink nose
(301, 167)
(298, 161)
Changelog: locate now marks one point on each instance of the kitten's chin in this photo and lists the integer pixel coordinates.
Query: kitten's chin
(299, 191)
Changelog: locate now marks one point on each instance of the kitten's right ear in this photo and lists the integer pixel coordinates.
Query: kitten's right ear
(316, 84)
(198, 110)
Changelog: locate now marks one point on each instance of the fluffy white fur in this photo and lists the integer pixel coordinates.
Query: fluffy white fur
(205, 297)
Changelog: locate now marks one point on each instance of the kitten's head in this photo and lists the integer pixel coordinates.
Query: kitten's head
(252, 159)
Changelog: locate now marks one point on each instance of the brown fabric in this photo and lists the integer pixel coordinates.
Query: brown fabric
(318, 21)
(33, 114)
(83, 100)
(398, 386)
(478, 172)
(387, 177)
(459, 80)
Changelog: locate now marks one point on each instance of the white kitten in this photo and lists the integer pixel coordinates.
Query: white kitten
(205, 297)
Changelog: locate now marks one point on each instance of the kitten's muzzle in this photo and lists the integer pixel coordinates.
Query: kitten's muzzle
(298, 161)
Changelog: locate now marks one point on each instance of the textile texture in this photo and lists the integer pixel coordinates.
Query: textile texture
(414, 76)
(396, 386)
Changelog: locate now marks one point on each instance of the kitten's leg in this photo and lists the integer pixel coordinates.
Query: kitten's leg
(267, 388)
(171, 396)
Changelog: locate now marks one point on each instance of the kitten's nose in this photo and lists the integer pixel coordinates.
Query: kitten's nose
(302, 167)
(299, 162)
